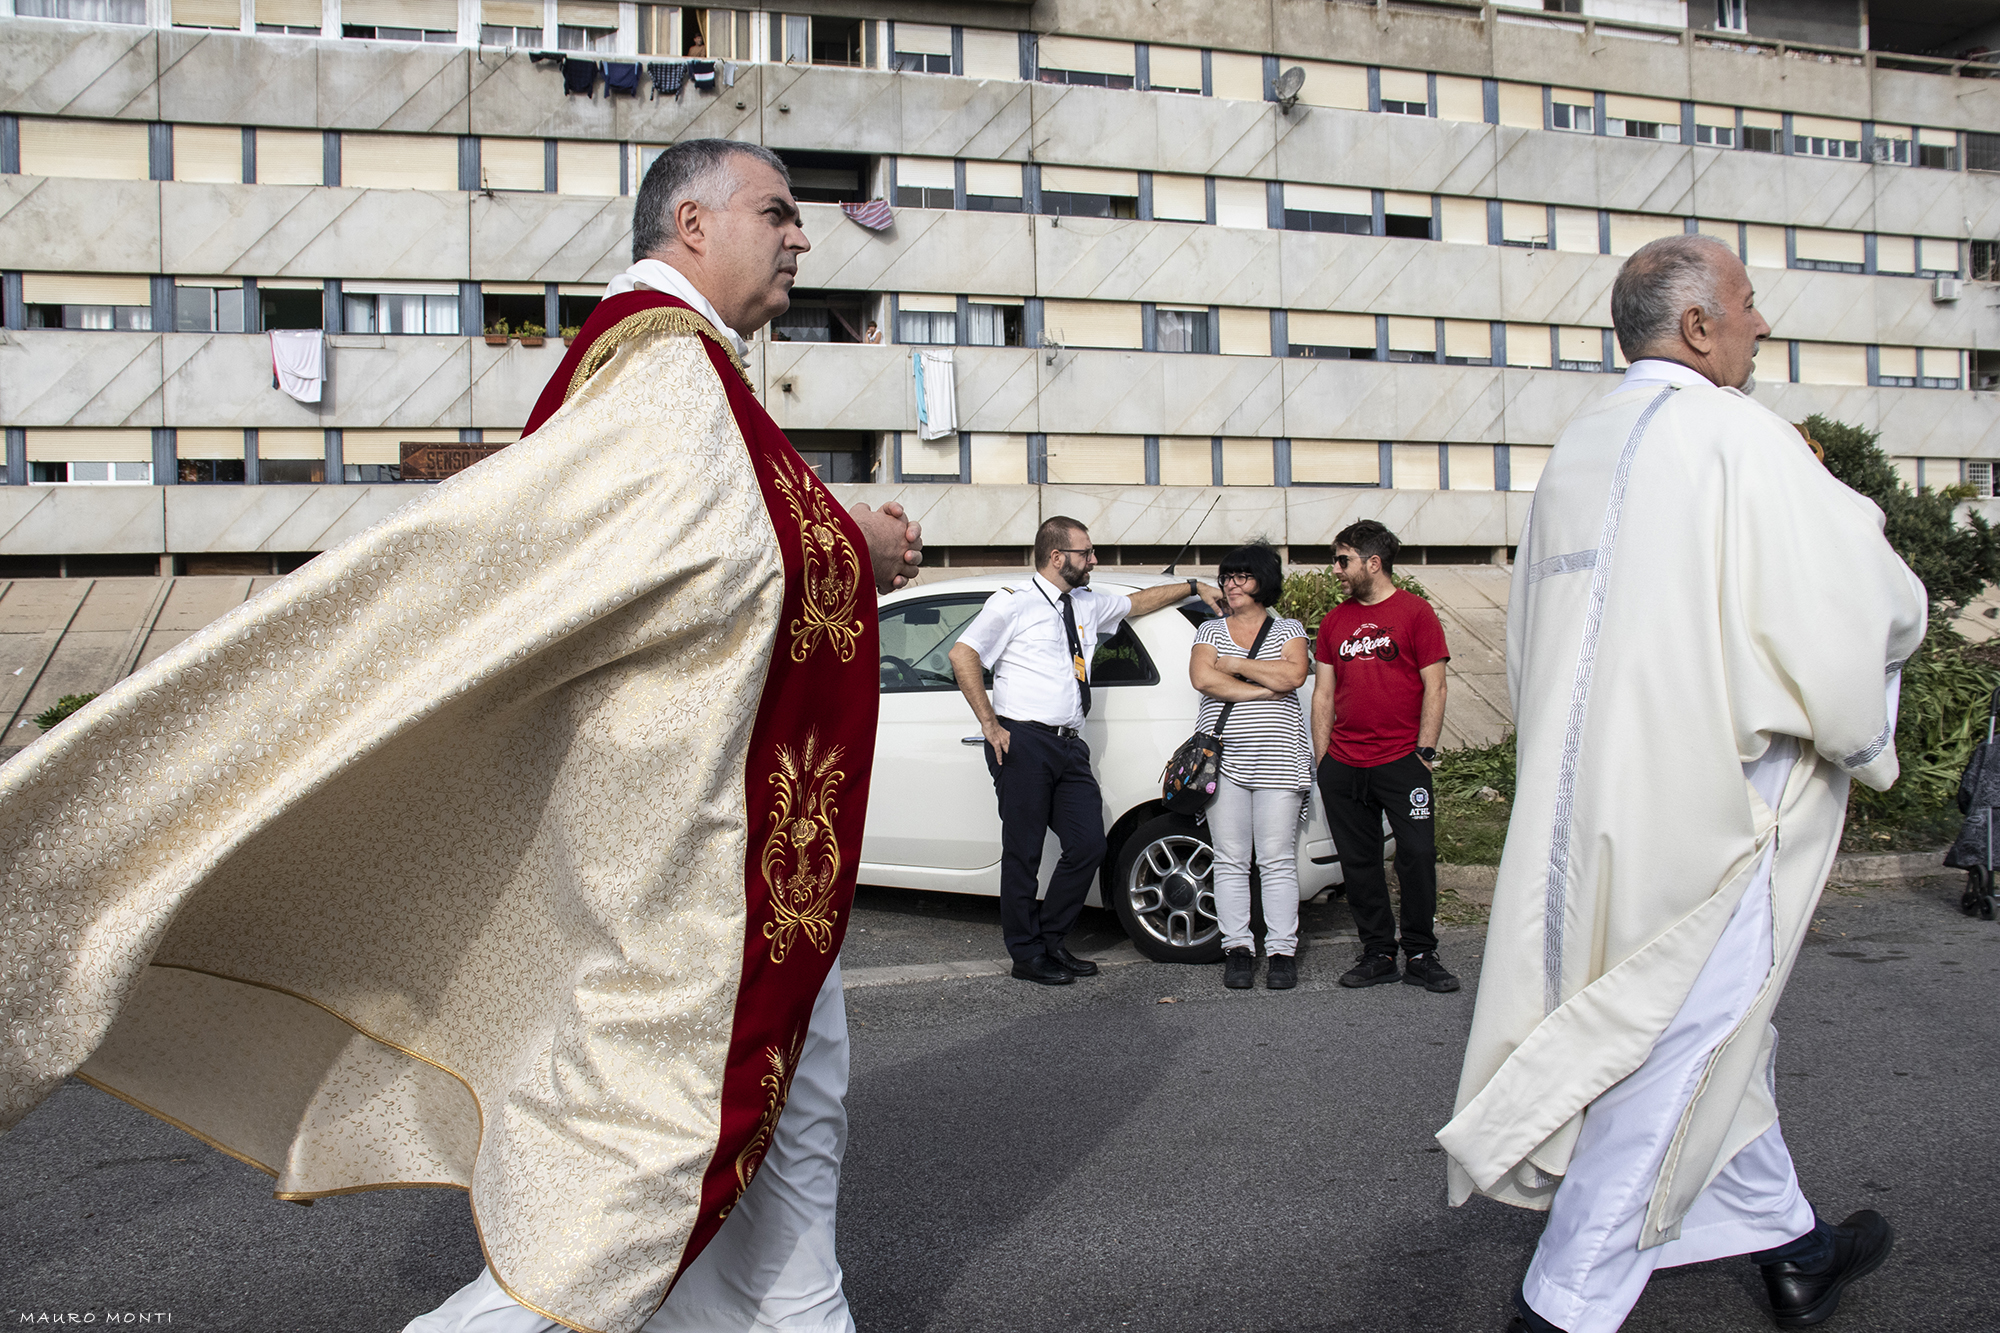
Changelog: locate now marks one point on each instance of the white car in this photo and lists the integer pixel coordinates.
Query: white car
(933, 820)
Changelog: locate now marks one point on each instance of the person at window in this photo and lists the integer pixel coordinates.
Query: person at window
(1377, 712)
(1038, 639)
(874, 333)
(611, 738)
(1266, 762)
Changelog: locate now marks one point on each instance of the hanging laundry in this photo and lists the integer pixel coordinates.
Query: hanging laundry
(580, 76)
(669, 76)
(729, 73)
(874, 214)
(621, 76)
(702, 74)
(546, 58)
(937, 395)
(298, 360)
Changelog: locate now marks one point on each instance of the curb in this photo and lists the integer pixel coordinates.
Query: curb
(1475, 883)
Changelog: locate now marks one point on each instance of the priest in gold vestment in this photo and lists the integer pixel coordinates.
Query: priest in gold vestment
(510, 845)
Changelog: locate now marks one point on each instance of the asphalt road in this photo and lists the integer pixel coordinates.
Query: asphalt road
(1142, 1151)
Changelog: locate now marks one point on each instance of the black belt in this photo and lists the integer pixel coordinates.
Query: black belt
(1067, 733)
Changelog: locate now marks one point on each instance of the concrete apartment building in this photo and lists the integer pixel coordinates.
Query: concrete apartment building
(1177, 283)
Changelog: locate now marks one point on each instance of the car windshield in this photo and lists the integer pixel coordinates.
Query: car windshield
(917, 638)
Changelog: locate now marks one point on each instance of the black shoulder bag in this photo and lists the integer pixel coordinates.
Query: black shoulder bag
(1188, 782)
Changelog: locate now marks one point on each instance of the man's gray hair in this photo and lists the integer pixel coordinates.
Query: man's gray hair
(704, 170)
(1660, 282)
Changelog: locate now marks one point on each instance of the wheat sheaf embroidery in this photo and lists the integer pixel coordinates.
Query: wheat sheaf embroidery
(801, 860)
(777, 1086)
(831, 586)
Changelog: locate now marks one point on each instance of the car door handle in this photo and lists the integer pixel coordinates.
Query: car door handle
(972, 740)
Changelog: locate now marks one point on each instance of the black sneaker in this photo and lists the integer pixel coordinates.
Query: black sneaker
(1800, 1299)
(1371, 970)
(1239, 969)
(1426, 970)
(1282, 973)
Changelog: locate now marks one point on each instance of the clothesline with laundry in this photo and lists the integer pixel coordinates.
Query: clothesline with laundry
(671, 77)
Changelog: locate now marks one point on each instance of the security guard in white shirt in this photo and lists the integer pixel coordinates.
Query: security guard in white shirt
(1038, 640)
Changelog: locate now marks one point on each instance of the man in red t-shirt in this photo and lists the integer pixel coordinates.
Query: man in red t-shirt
(1377, 709)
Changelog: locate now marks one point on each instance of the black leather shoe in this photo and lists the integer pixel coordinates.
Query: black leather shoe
(1282, 973)
(1042, 970)
(1070, 963)
(1800, 1299)
(1239, 968)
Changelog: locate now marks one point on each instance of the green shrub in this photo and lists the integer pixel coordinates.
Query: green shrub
(64, 706)
(1464, 772)
(1310, 593)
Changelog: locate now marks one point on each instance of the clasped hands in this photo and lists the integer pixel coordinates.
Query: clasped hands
(895, 545)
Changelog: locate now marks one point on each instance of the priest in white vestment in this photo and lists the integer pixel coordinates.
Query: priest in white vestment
(1705, 634)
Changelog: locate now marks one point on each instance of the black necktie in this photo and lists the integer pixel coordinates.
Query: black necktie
(1076, 653)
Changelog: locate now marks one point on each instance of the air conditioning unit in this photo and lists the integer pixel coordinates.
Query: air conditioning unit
(1945, 289)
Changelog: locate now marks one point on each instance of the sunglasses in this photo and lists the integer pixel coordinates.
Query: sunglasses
(1341, 561)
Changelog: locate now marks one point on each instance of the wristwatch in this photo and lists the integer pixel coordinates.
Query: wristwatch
(1191, 589)
(1427, 753)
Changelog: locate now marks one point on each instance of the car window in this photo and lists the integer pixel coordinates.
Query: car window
(917, 639)
(1122, 660)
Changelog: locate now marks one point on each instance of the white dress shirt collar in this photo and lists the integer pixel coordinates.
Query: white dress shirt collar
(664, 278)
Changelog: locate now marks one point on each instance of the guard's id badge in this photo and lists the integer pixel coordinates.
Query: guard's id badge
(1076, 660)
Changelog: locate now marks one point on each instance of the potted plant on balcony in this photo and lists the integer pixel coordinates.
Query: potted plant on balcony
(569, 333)
(496, 333)
(531, 335)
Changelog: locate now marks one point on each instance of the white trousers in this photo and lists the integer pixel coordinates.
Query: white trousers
(772, 1265)
(1588, 1269)
(1260, 823)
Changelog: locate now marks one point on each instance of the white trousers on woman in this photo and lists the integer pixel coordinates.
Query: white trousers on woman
(1260, 824)
(1588, 1270)
(771, 1266)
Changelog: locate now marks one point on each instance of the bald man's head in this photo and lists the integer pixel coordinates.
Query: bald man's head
(1689, 299)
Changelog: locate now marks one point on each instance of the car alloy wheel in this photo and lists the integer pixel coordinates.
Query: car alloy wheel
(1163, 891)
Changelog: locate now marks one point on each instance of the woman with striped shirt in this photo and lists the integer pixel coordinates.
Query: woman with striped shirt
(1266, 762)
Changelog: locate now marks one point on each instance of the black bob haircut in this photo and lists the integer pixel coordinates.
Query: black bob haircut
(1260, 562)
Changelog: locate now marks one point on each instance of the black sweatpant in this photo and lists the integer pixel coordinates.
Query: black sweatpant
(1045, 784)
(1356, 799)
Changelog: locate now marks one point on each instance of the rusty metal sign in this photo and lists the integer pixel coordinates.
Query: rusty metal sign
(435, 462)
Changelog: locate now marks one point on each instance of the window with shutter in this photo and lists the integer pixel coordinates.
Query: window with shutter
(1528, 345)
(1764, 246)
(1896, 367)
(1462, 221)
(1242, 204)
(1937, 258)
(1582, 349)
(208, 153)
(1248, 462)
(993, 187)
(1405, 92)
(1629, 231)
(1817, 136)
(1572, 109)
(1521, 105)
(925, 182)
(587, 168)
(513, 164)
(1101, 459)
(1832, 363)
(1460, 99)
(1328, 208)
(1187, 460)
(1528, 225)
(1341, 87)
(925, 48)
(1236, 75)
(398, 162)
(207, 14)
(292, 157)
(1093, 323)
(1412, 339)
(1642, 118)
(1414, 467)
(1326, 335)
(1174, 69)
(1336, 463)
(1715, 126)
(1832, 251)
(1085, 60)
(1471, 467)
(990, 54)
(1245, 332)
(1468, 342)
(1180, 198)
(93, 149)
(1090, 192)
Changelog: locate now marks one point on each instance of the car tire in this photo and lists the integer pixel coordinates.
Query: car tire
(1163, 891)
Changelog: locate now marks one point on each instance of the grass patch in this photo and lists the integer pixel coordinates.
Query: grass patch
(1471, 832)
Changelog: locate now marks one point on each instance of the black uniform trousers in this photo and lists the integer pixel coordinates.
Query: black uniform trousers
(1045, 784)
(1356, 799)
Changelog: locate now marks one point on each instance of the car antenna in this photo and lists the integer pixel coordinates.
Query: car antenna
(1190, 541)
